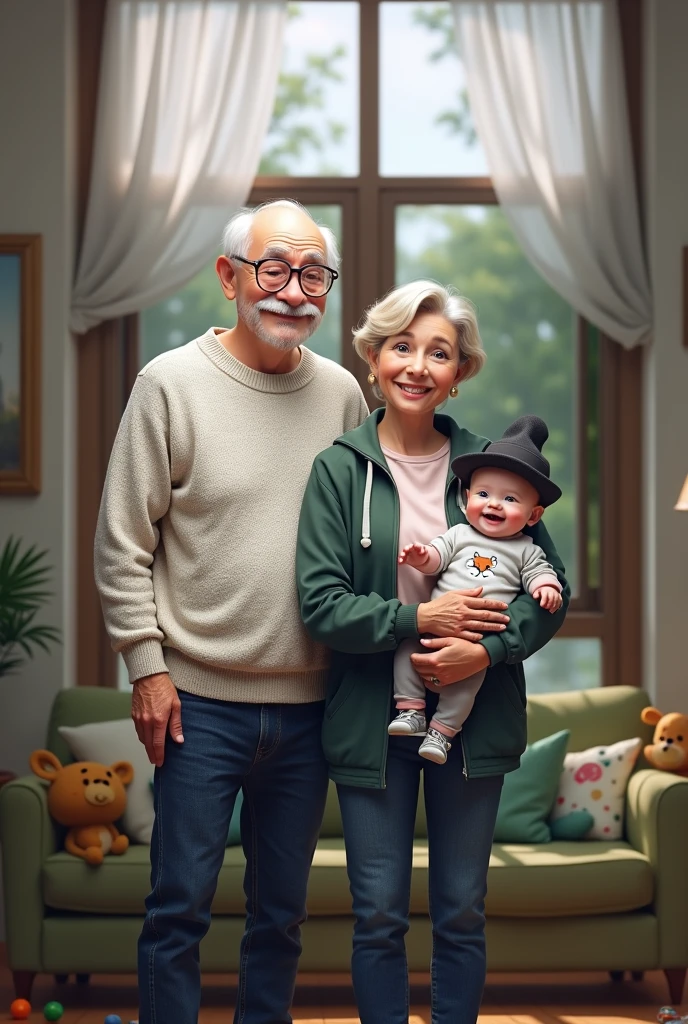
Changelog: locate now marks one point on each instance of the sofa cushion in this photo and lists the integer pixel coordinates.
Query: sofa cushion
(593, 717)
(595, 781)
(555, 880)
(567, 879)
(529, 792)
(81, 705)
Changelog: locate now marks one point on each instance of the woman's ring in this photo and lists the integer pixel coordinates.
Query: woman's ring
(435, 681)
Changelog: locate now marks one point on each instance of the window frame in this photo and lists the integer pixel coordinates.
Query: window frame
(610, 612)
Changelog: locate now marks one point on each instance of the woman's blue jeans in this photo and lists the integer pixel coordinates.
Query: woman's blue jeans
(274, 752)
(378, 830)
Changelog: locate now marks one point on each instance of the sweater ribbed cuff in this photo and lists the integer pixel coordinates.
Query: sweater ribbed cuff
(144, 658)
(406, 624)
(496, 648)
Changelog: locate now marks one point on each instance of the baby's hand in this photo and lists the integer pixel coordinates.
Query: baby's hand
(549, 598)
(415, 555)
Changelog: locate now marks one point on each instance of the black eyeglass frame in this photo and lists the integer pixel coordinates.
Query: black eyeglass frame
(256, 264)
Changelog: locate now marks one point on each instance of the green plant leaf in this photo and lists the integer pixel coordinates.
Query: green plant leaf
(22, 592)
(22, 576)
(8, 665)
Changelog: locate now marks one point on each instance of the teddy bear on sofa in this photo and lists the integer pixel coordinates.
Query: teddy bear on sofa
(669, 748)
(87, 798)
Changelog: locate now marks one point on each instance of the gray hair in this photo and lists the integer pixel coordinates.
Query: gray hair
(396, 311)
(236, 237)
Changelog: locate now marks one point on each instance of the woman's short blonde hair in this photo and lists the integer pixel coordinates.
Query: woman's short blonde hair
(399, 308)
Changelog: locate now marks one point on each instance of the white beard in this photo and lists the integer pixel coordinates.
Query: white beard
(290, 336)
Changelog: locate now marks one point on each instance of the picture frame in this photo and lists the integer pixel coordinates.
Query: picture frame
(20, 364)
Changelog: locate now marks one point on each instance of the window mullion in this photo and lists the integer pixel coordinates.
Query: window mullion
(367, 243)
(581, 462)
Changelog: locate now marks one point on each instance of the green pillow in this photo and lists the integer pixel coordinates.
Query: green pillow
(575, 825)
(234, 834)
(529, 793)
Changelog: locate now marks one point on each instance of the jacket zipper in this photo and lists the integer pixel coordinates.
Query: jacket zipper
(463, 754)
(397, 514)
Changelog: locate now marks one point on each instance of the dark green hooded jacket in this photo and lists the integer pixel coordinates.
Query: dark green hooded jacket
(348, 601)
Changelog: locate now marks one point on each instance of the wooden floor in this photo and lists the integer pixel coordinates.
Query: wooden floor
(509, 999)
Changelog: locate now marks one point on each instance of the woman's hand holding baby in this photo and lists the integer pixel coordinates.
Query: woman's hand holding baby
(549, 598)
(449, 660)
(462, 613)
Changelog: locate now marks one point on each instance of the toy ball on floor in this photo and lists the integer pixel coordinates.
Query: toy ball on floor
(667, 1013)
(20, 1009)
(53, 1011)
(112, 1018)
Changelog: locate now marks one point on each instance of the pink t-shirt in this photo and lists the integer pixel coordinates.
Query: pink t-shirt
(421, 482)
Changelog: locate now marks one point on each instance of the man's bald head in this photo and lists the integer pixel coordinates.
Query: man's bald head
(252, 229)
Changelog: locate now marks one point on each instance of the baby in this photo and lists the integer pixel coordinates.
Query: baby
(508, 488)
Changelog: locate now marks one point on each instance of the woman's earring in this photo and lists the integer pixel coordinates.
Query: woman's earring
(371, 378)
(454, 390)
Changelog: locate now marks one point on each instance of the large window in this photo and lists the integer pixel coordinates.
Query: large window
(372, 130)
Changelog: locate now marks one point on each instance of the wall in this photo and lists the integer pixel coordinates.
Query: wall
(36, 196)
(666, 376)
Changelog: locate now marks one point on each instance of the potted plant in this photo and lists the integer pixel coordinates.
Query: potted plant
(23, 576)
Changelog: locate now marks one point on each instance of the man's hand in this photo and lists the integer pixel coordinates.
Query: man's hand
(155, 708)
(451, 660)
(424, 557)
(549, 598)
(462, 613)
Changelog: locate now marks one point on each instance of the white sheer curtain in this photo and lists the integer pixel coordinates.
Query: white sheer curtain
(185, 97)
(546, 88)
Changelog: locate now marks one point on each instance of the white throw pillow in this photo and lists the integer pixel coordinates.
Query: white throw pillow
(595, 780)
(107, 742)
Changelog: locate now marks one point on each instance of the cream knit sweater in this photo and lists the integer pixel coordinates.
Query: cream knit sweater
(196, 537)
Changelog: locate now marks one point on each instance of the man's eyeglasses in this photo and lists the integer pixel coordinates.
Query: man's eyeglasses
(272, 275)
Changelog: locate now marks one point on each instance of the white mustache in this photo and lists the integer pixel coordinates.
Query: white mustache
(275, 306)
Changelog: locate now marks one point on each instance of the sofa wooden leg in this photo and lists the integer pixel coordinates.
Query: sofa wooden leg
(638, 975)
(23, 984)
(676, 977)
(83, 979)
(617, 975)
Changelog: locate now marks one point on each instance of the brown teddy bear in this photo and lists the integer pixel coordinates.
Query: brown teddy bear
(669, 747)
(86, 797)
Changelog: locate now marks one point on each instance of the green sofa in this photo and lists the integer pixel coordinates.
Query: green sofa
(561, 906)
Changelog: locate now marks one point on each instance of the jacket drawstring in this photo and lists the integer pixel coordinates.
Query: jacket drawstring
(365, 531)
(365, 539)
(459, 496)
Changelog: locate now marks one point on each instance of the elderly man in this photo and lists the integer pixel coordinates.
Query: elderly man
(195, 553)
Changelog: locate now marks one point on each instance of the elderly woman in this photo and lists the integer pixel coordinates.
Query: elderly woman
(379, 487)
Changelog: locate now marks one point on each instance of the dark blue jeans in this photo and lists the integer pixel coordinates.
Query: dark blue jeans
(274, 752)
(378, 830)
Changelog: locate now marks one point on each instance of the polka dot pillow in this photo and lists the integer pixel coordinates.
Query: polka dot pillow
(595, 780)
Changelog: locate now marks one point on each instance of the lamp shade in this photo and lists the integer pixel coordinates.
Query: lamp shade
(682, 503)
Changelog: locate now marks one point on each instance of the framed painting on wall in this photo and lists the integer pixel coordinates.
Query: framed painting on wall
(20, 364)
